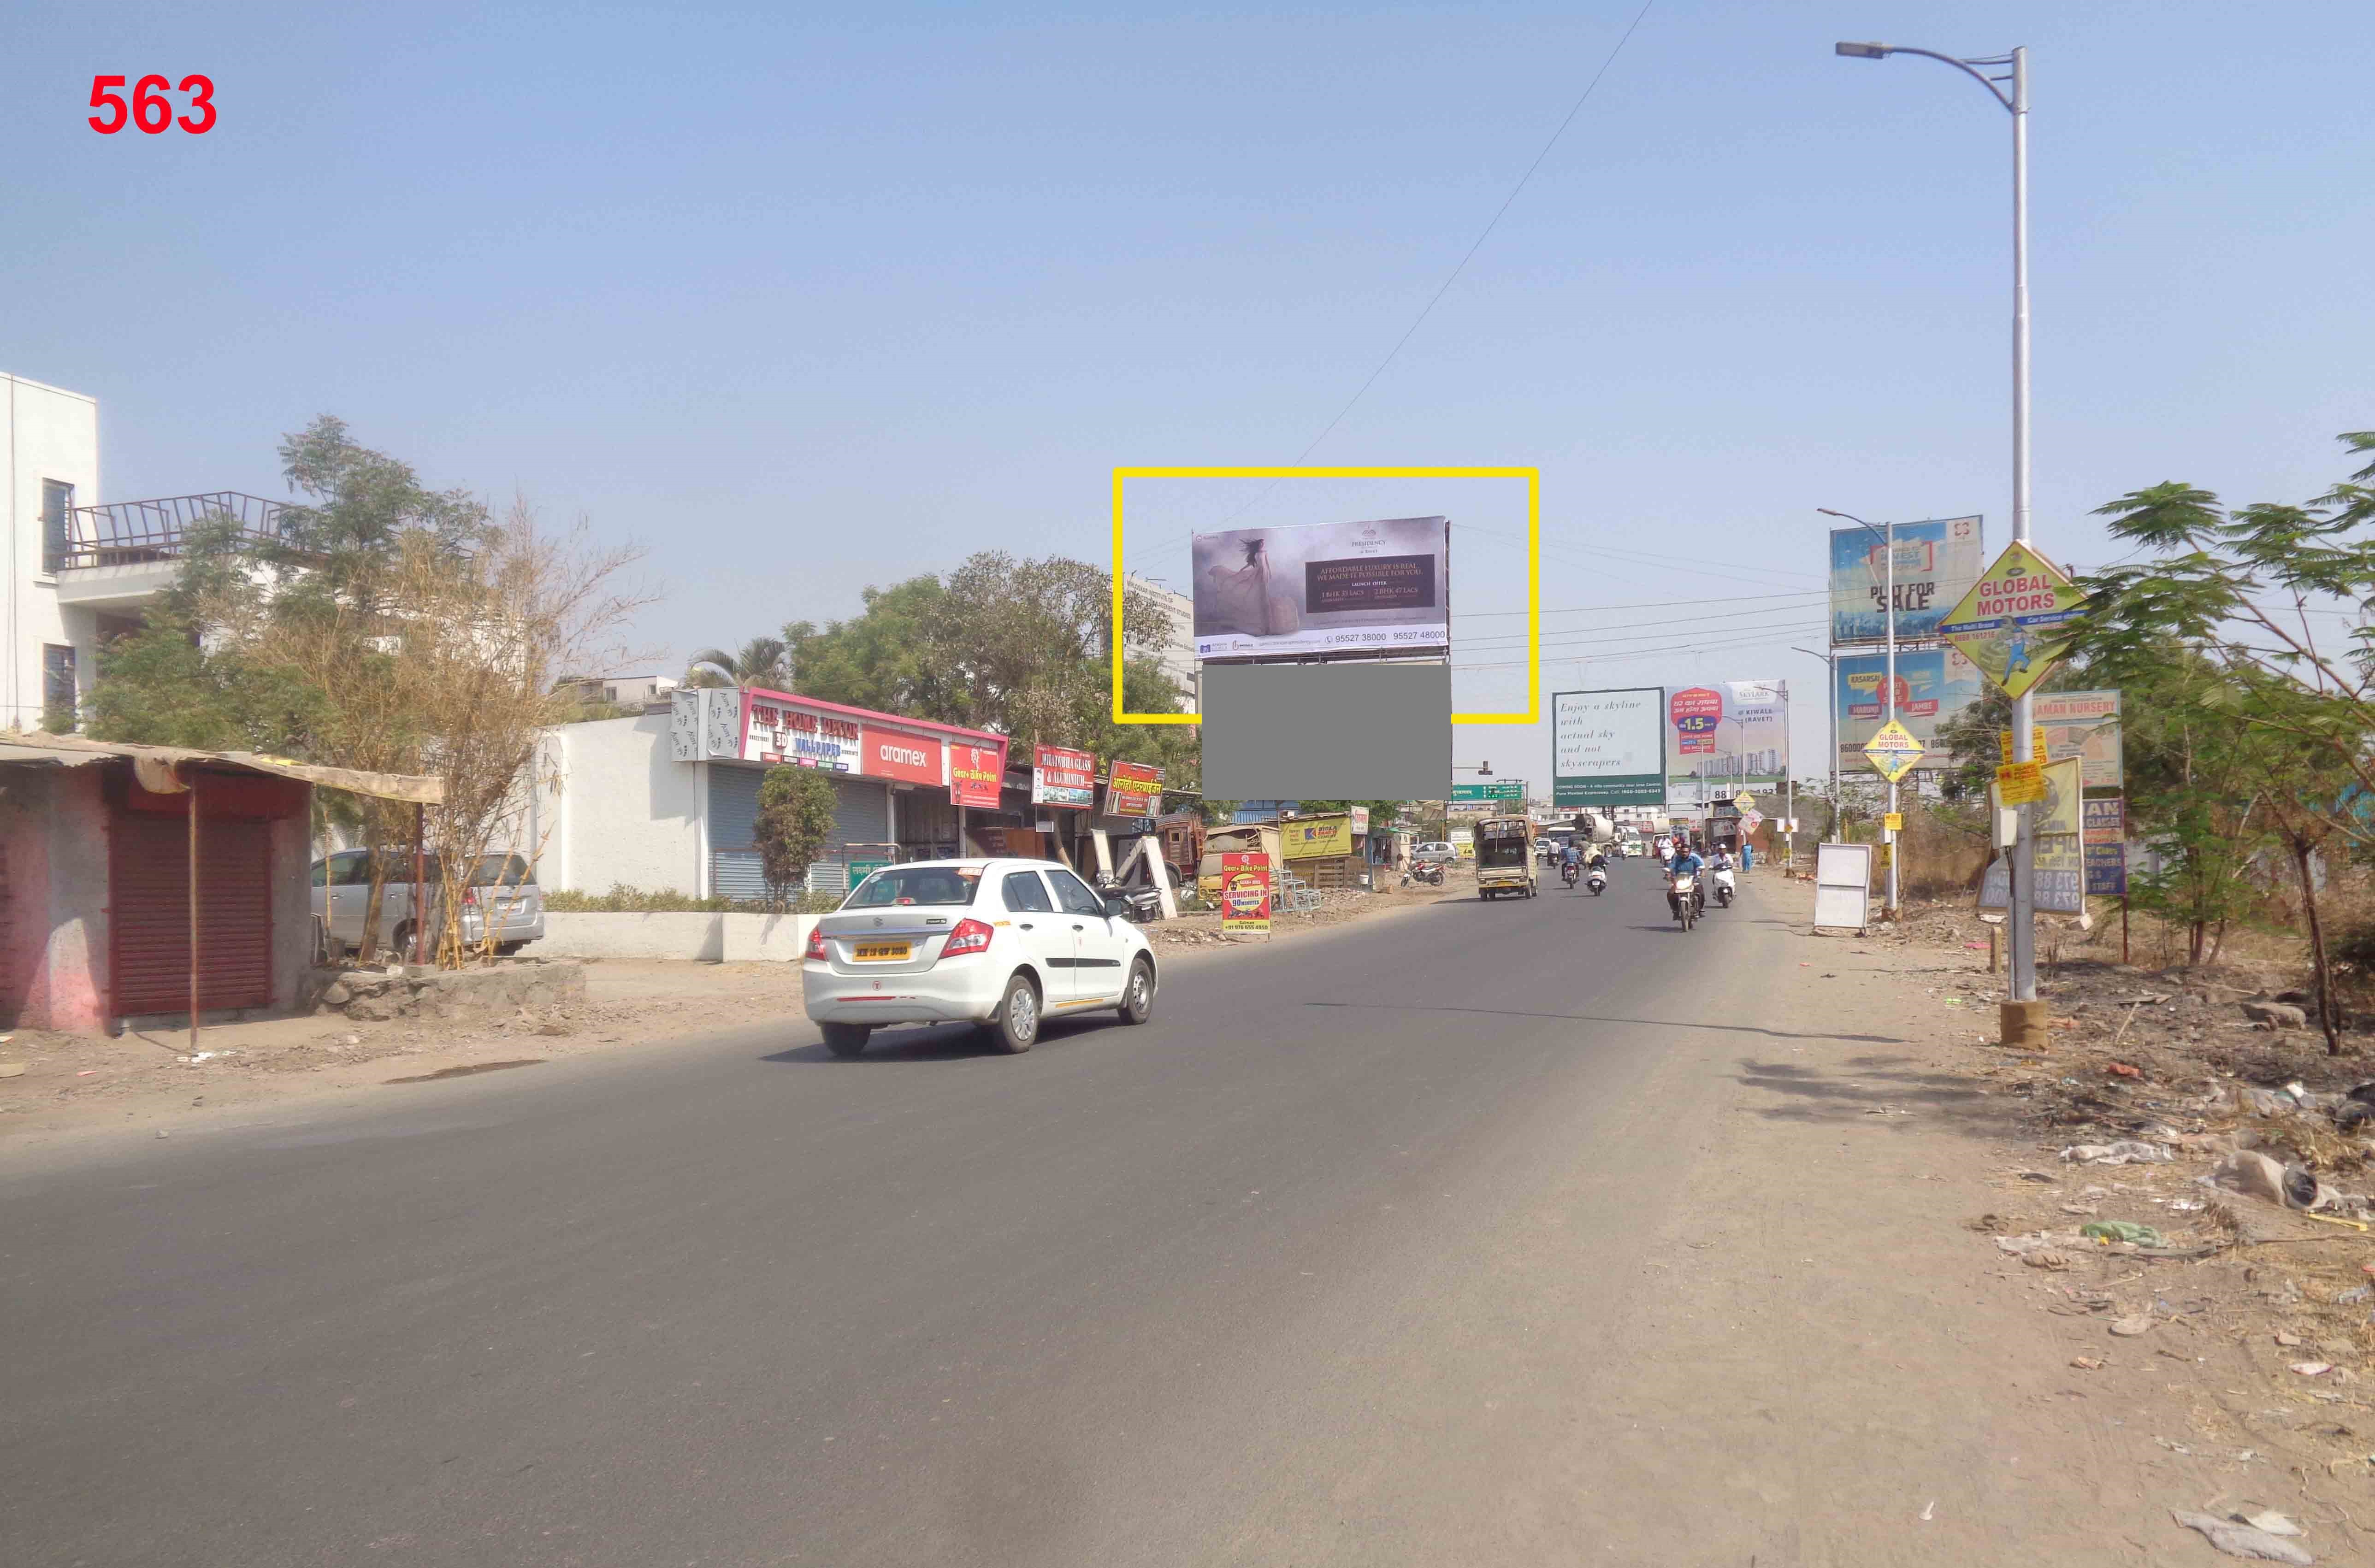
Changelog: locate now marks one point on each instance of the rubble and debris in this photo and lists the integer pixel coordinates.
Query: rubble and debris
(2126, 1151)
(2243, 1541)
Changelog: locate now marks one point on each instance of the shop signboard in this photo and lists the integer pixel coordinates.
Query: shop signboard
(1360, 821)
(2106, 838)
(1937, 561)
(1609, 748)
(1314, 838)
(910, 758)
(1133, 789)
(1933, 686)
(1244, 890)
(775, 731)
(1727, 736)
(1380, 586)
(975, 774)
(1060, 776)
(2085, 724)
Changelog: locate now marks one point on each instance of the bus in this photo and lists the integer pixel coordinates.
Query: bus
(1505, 856)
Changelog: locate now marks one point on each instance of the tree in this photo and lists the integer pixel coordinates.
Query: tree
(2208, 590)
(795, 819)
(762, 662)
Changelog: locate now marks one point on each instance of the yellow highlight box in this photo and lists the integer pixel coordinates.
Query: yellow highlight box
(1533, 478)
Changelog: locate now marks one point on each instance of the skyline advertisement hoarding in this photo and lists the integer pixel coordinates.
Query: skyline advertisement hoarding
(1375, 587)
(1933, 686)
(1937, 562)
(1722, 738)
(1609, 748)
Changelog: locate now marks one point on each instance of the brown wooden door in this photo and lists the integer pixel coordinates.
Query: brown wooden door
(148, 915)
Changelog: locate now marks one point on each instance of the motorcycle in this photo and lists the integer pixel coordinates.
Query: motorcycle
(1429, 872)
(1723, 888)
(1567, 874)
(1596, 881)
(1684, 898)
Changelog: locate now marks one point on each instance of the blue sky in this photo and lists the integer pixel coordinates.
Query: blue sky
(807, 300)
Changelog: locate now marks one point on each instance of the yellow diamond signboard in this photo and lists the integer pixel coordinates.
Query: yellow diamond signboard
(1892, 751)
(1744, 800)
(2015, 618)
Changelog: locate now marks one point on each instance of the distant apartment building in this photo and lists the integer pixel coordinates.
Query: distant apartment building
(1177, 655)
(636, 692)
(83, 572)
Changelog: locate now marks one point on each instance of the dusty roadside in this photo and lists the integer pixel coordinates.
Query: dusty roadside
(2220, 1364)
(67, 1085)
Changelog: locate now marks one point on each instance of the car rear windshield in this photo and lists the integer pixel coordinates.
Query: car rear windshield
(504, 870)
(917, 884)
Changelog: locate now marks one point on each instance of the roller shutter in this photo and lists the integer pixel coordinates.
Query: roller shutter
(861, 814)
(148, 915)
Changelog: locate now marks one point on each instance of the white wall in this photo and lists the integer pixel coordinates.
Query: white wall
(50, 434)
(617, 806)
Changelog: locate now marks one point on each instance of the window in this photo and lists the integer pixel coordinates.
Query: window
(501, 870)
(917, 884)
(1074, 895)
(59, 697)
(351, 868)
(1026, 893)
(321, 873)
(57, 523)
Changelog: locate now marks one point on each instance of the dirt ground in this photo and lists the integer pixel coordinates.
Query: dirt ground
(64, 1085)
(2240, 1334)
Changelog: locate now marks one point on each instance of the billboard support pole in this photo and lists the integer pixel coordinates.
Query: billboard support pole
(1888, 549)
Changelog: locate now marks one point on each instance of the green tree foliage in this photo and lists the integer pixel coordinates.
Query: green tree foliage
(762, 662)
(2282, 717)
(795, 818)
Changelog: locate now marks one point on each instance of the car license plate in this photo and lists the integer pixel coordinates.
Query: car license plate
(879, 952)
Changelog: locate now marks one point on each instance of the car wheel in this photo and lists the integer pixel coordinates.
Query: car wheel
(845, 1040)
(402, 942)
(1015, 1026)
(1137, 997)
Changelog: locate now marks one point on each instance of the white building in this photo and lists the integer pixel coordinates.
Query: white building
(1179, 657)
(84, 573)
(52, 468)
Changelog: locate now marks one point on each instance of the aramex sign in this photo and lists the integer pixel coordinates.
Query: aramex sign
(911, 759)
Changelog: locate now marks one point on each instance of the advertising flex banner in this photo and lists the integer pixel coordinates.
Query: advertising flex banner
(975, 774)
(2015, 619)
(1060, 776)
(1133, 789)
(1723, 738)
(1314, 838)
(1381, 586)
(1609, 748)
(1937, 561)
(1933, 686)
(2085, 724)
(1245, 891)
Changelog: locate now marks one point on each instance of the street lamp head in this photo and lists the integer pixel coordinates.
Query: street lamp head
(1828, 512)
(1862, 50)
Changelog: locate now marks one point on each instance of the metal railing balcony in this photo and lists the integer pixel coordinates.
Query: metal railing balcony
(126, 532)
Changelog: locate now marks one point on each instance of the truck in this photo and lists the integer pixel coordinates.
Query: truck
(1505, 857)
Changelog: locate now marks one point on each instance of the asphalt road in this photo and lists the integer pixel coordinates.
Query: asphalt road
(1304, 1270)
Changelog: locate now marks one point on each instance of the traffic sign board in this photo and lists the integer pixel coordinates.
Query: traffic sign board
(1892, 751)
(1744, 800)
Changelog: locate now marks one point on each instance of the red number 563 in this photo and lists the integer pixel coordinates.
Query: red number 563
(150, 109)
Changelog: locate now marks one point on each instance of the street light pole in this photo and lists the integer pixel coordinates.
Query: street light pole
(2023, 1016)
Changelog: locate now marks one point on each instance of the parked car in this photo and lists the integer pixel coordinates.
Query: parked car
(1003, 944)
(502, 890)
(1436, 854)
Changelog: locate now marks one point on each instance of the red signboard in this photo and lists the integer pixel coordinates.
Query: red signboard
(975, 774)
(1695, 713)
(1244, 890)
(1133, 789)
(1060, 776)
(912, 758)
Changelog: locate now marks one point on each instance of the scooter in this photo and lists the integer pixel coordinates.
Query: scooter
(1723, 886)
(1567, 874)
(1596, 881)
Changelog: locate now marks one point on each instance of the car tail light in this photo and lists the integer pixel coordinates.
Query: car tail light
(970, 936)
(816, 943)
(470, 897)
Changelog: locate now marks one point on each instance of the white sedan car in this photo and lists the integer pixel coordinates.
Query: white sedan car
(1000, 943)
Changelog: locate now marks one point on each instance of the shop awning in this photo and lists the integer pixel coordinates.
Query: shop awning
(73, 752)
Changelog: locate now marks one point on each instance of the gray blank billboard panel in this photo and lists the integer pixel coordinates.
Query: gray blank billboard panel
(1362, 731)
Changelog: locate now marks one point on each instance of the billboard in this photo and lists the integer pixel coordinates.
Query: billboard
(1726, 737)
(1379, 587)
(1937, 562)
(1609, 748)
(1933, 686)
(1314, 838)
(2085, 724)
(1133, 789)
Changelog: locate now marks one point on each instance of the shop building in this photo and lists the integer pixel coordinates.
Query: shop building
(669, 800)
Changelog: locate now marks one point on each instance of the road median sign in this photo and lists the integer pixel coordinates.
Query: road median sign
(1893, 751)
